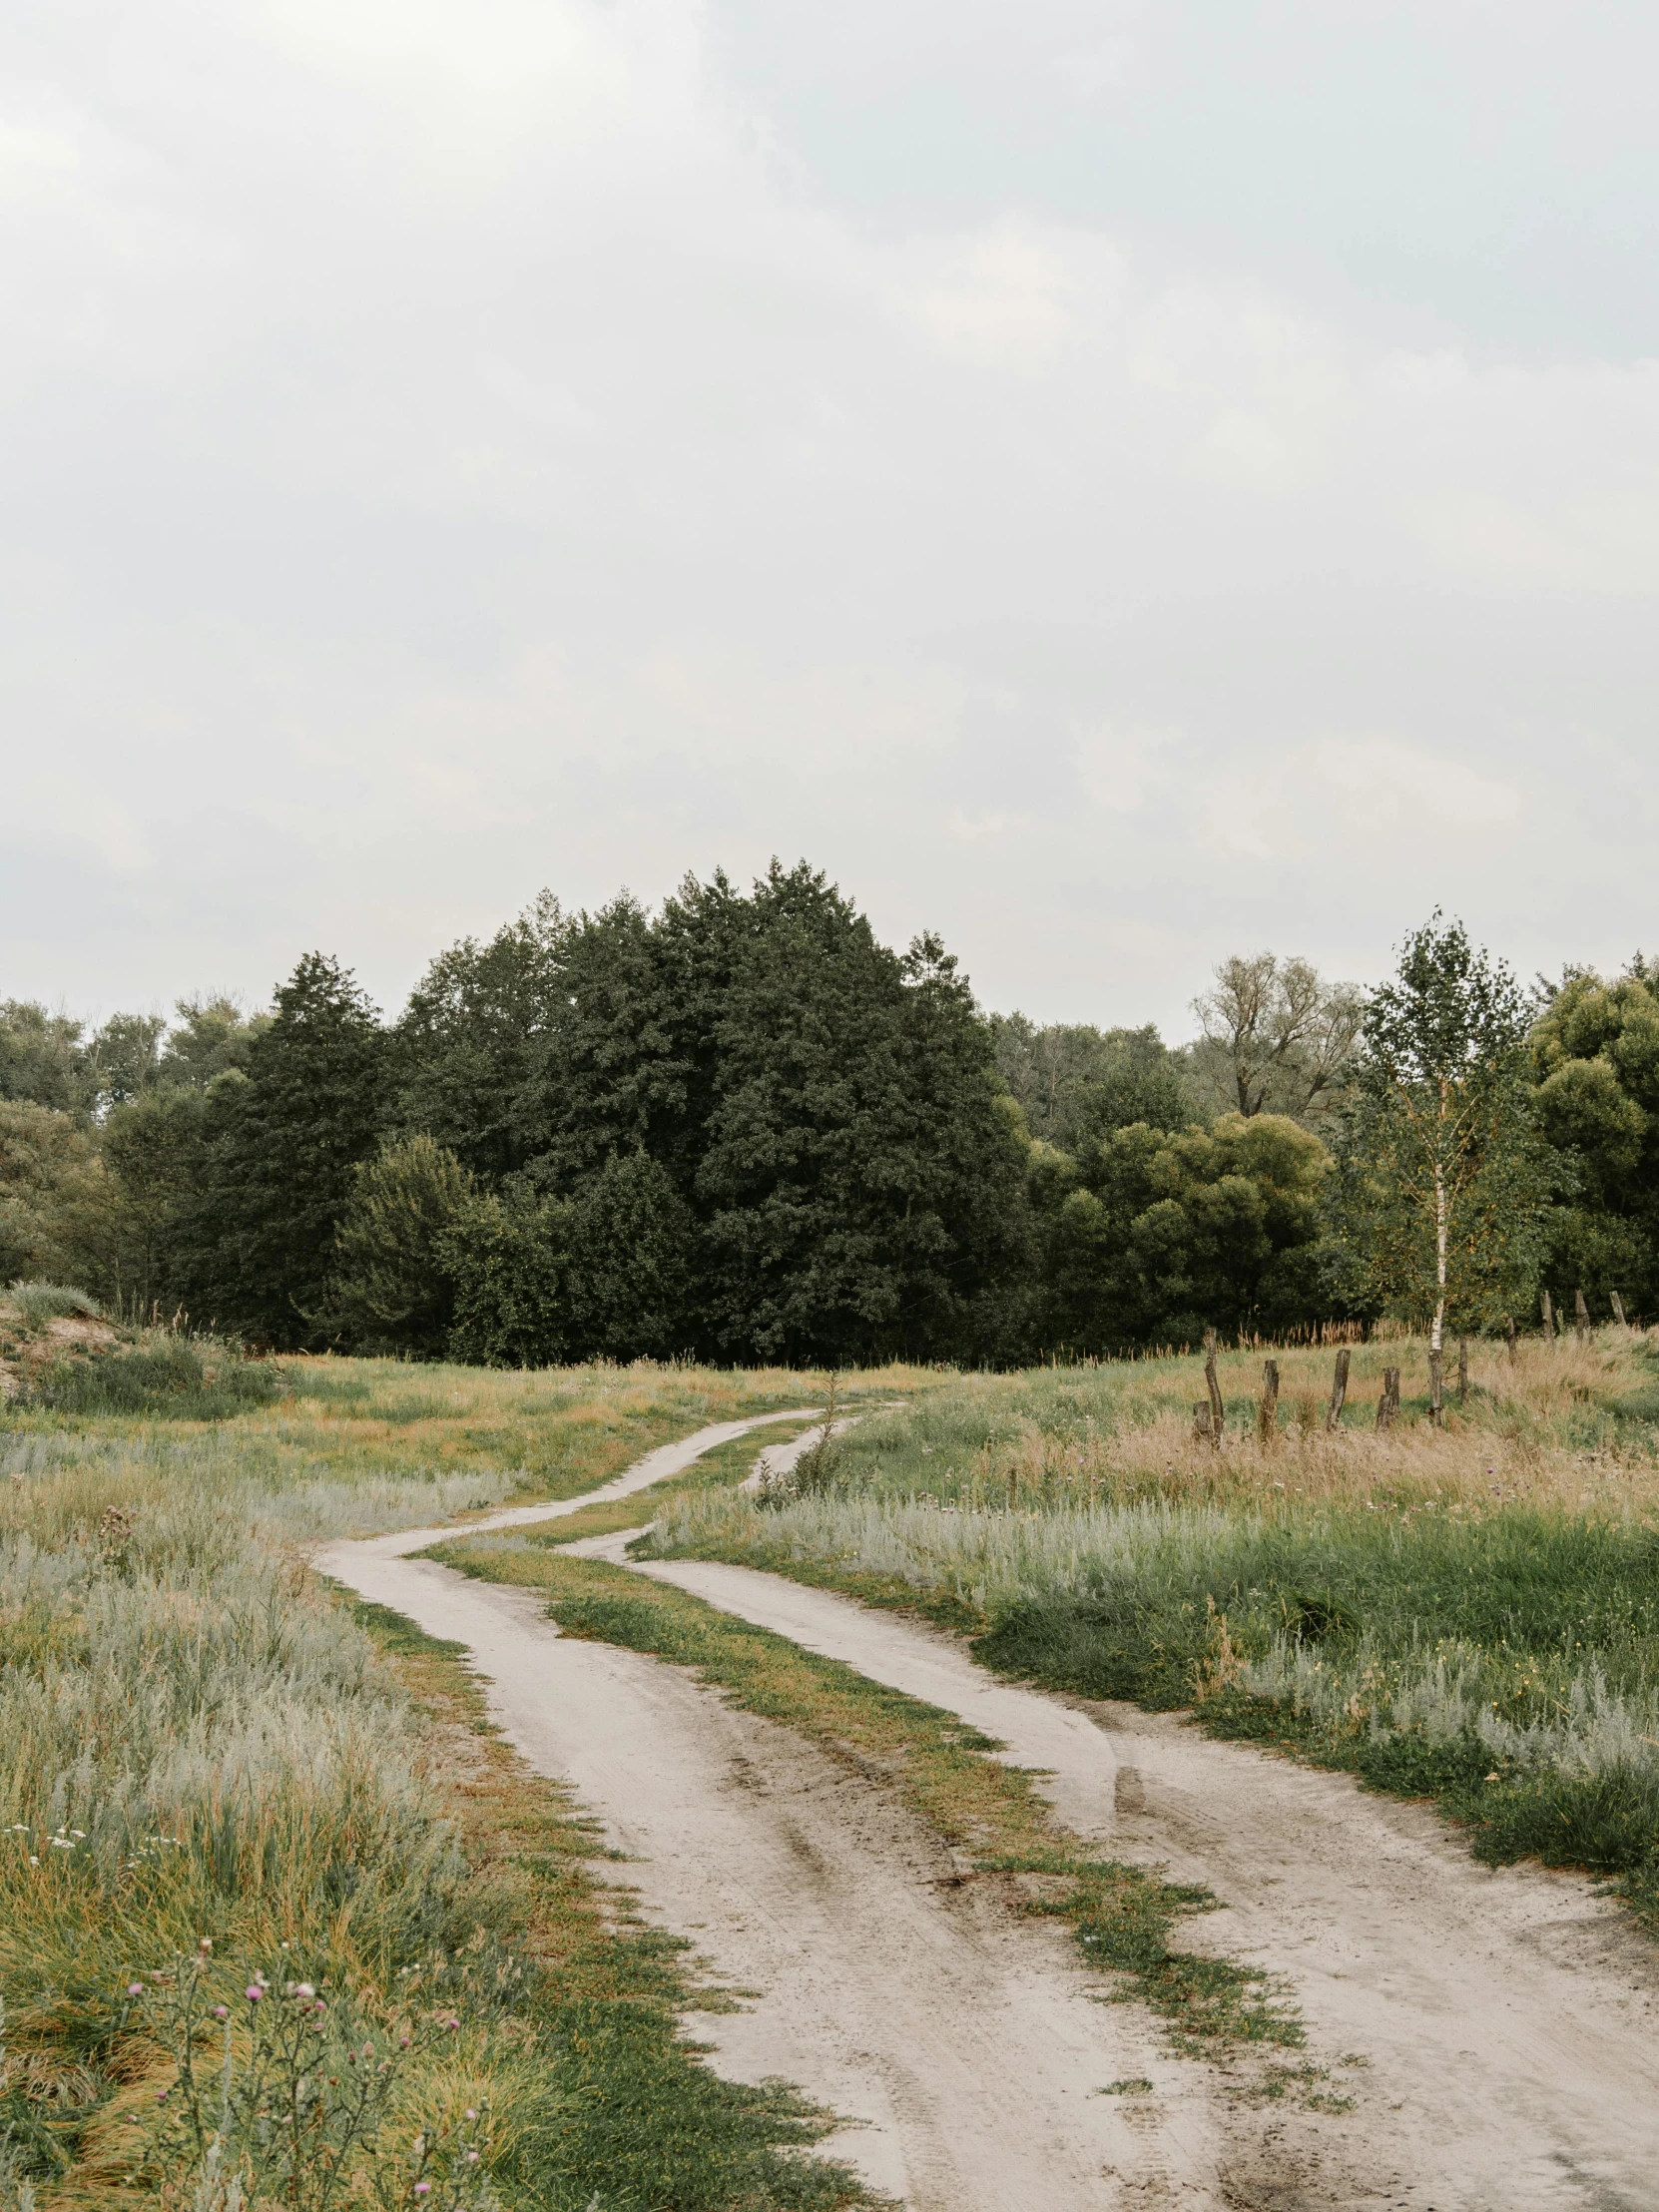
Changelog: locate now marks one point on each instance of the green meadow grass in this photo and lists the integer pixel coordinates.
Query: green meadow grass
(1469, 1614)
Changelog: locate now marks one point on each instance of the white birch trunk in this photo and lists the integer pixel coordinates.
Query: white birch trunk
(1437, 1334)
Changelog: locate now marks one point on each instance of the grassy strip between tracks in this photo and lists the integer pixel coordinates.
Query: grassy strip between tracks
(1124, 1917)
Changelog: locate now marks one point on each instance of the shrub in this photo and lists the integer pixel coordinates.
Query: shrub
(169, 1376)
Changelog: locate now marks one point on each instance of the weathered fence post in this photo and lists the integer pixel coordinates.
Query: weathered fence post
(1387, 1405)
(1509, 1332)
(1436, 1389)
(1266, 1414)
(1463, 1370)
(1618, 1307)
(1218, 1411)
(1549, 1319)
(1339, 1392)
(1581, 1316)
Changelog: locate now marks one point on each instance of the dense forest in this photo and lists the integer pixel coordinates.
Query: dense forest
(741, 1127)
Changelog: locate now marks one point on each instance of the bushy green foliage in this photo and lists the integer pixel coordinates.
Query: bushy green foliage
(1596, 1060)
(53, 1194)
(506, 1259)
(470, 1050)
(41, 1058)
(1150, 1238)
(391, 1290)
(831, 1168)
(604, 1275)
(155, 1149)
(629, 1263)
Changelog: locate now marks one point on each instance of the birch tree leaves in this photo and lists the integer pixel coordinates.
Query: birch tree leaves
(1442, 1185)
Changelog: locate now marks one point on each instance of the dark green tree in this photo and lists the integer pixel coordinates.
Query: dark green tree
(858, 1186)
(281, 1147)
(471, 1046)
(42, 1058)
(154, 1148)
(611, 1077)
(628, 1248)
(212, 1038)
(1441, 1203)
(507, 1259)
(122, 1058)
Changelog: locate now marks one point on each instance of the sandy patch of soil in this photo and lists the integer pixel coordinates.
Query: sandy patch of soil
(32, 1351)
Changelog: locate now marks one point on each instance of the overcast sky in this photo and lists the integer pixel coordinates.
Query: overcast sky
(1116, 483)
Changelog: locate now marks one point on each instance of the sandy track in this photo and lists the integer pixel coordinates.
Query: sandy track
(1508, 2018)
(655, 1466)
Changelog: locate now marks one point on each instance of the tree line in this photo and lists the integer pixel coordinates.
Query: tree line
(743, 1129)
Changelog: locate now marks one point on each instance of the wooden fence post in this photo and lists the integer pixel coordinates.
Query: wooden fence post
(1218, 1411)
(1509, 1332)
(1266, 1414)
(1339, 1392)
(1436, 1389)
(1463, 1370)
(1549, 1319)
(1387, 1405)
(1581, 1316)
(1618, 1307)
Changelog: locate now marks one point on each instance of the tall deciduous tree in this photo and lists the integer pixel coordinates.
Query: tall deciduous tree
(1277, 1039)
(1442, 1200)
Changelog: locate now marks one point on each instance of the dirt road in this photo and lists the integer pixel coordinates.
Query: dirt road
(1505, 2021)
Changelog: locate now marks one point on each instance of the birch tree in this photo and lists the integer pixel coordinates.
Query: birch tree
(1442, 1183)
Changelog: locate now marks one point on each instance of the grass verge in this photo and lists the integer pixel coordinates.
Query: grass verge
(1124, 1917)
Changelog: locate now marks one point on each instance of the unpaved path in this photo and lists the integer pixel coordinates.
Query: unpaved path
(966, 2045)
(1508, 2018)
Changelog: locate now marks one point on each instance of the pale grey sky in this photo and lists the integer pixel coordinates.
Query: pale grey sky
(1118, 483)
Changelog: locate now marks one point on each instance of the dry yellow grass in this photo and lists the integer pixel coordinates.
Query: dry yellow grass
(1539, 1428)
